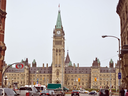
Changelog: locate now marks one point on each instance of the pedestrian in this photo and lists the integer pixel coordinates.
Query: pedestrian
(122, 92)
(125, 91)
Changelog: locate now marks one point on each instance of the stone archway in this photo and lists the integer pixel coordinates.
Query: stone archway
(57, 81)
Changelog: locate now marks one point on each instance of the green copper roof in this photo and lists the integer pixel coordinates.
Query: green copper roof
(98, 61)
(70, 63)
(34, 61)
(58, 23)
(111, 61)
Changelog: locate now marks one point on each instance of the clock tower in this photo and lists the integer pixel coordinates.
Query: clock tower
(58, 52)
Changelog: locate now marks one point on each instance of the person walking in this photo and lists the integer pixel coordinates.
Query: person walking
(122, 92)
(126, 93)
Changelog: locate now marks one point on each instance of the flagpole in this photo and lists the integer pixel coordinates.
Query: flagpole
(59, 7)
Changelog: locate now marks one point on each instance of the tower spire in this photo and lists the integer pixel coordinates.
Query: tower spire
(67, 57)
(59, 22)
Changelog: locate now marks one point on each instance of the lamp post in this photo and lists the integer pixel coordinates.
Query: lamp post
(119, 52)
(7, 69)
(5, 80)
(47, 81)
(12, 83)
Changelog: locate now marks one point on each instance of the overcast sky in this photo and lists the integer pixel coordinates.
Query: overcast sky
(30, 23)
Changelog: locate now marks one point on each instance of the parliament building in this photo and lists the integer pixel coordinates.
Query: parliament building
(62, 70)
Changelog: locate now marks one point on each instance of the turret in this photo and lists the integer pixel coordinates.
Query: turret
(43, 65)
(47, 65)
(34, 63)
(111, 64)
(78, 65)
(67, 60)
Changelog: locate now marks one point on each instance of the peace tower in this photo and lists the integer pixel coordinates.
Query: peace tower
(58, 52)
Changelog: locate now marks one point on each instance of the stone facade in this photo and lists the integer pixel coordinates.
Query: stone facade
(2, 30)
(104, 76)
(62, 71)
(122, 11)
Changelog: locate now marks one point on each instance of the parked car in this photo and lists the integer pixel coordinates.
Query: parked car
(52, 92)
(65, 89)
(83, 91)
(104, 92)
(75, 92)
(8, 92)
(29, 91)
(93, 92)
(47, 93)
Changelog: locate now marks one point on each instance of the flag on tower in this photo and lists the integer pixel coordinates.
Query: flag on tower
(59, 5)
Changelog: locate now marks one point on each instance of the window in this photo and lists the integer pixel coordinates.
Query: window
(22, 89)
(58, 43)
(57, 72)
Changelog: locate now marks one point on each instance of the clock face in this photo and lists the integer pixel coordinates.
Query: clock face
(58, 32)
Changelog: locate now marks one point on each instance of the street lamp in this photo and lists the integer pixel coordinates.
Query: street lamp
(12, 83)
(119, 52)
(5, 80)
(47, 81)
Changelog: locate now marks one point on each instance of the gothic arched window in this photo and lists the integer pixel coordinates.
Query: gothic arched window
(57, 73)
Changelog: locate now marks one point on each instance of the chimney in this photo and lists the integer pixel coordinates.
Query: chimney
(43, 65)
(74, 65)
(47, 65)
(78, 65)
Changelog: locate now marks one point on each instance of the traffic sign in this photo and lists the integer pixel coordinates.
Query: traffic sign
(34, 83)
(19, 66)
(95, 79)
(119, 75)
(78, 79)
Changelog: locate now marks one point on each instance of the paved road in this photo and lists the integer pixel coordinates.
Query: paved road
(83, 95)
(88, 95)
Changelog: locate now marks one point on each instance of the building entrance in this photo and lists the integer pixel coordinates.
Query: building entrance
(57, 82)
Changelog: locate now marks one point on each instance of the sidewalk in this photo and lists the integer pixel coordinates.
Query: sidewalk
(115, 94)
